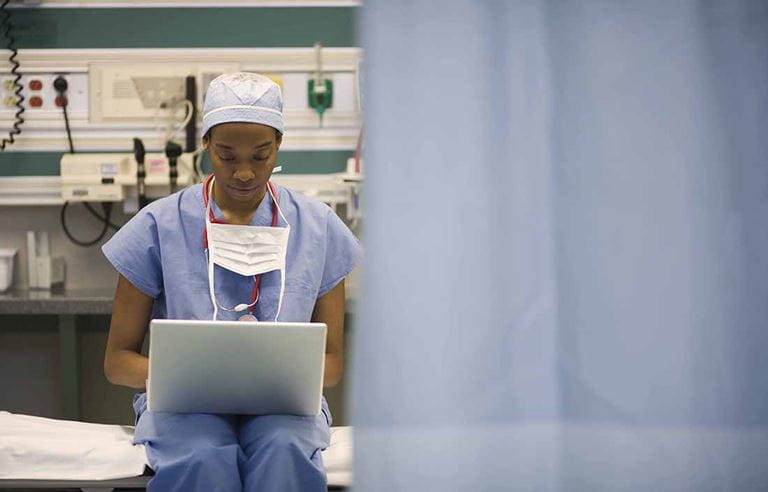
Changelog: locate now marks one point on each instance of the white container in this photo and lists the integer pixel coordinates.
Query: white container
(6, 267)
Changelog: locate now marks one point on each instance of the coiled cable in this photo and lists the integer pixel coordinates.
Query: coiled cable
(5, 28)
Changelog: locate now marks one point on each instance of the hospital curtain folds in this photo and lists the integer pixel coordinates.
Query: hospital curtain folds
(567, 237)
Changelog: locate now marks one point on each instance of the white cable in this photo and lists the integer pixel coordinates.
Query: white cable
(156, 117)
(190, 109)
(171, 132)
(319, 63)
(169, 106)
(170, 120)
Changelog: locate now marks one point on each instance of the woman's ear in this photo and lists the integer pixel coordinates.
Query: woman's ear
(278, 139)
(206, 143)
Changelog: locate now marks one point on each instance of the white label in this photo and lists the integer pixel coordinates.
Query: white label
(108, 169)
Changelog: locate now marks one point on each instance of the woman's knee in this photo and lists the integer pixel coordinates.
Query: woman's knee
(207, 455)
(280, 442)
(282, 438)
(200, 458)
(202, 467)
(280, 434)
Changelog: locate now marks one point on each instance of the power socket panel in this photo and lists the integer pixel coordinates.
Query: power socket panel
(40, 98)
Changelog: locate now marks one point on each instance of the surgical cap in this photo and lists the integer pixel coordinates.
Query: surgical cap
(244, 98)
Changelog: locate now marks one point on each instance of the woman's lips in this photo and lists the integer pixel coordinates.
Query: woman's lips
(242, 192)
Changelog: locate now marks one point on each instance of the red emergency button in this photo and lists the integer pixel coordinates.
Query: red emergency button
(61, 101)
(35, 84)
(36, 101)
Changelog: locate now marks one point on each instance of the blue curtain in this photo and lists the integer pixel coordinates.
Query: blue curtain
(566, 281)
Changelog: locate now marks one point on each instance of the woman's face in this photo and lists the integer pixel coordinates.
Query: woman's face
(242, 157)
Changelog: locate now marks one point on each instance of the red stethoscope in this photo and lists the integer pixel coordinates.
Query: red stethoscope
(214, 220)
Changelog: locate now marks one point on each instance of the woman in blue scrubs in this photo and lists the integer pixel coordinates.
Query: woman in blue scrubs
(162, 257)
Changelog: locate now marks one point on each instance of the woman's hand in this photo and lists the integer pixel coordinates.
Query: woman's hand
(330, 309)
(131, 311)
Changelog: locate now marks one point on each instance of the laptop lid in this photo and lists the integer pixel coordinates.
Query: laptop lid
(236, 367)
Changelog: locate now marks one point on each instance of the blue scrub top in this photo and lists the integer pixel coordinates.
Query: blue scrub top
(160, 251)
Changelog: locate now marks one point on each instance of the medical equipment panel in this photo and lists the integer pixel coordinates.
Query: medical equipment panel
(112, 176)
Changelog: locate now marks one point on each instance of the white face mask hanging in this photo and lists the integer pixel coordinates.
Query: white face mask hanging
(246, 250)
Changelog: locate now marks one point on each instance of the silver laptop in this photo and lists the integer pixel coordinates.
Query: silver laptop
(236, 367)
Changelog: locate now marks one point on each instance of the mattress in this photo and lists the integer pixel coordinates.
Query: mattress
(37, 448)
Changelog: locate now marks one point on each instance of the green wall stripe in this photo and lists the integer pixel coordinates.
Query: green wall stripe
(29, 163)
(184, 27)
(306, 161)
(293, 162)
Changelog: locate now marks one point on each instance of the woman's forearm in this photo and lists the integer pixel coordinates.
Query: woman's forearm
(127, 368)
(333, 370)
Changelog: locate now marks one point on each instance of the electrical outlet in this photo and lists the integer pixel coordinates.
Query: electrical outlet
(9, 85)
(41, 97)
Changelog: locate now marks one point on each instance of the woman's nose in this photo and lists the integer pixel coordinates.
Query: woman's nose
(244, 174)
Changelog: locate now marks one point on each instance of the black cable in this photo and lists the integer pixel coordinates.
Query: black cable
(66, 124)
(100, 217)
(139, 153)
(172, 152)
(60, 84)
(107, 213)
(10, 46)
(191, 128)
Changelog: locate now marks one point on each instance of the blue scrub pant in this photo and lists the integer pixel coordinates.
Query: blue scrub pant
(210, 452)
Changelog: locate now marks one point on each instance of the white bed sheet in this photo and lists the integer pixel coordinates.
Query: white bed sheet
(338, 457)
(50, 449)
(37, 448)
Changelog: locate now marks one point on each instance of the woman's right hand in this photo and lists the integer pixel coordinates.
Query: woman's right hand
(131, 311)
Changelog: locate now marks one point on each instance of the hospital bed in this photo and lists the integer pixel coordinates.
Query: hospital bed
(48, 454)
(135, 483)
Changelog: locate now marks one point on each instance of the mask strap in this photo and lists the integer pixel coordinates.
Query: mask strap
(282, 293)
(211, 269)
(211, 283)
(211, 290)
(273, 194)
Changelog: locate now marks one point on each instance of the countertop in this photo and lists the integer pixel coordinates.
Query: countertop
(72, 301)
(57, 301)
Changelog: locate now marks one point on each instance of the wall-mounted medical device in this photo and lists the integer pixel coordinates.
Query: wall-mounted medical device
(112, 177)
(140, 91)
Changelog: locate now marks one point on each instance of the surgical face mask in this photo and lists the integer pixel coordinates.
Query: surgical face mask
(246, 250)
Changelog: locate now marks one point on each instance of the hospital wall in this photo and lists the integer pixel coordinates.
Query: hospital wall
(29, 350)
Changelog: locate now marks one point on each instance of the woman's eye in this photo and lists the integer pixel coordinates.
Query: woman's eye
(227, 158)
(261, 157)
